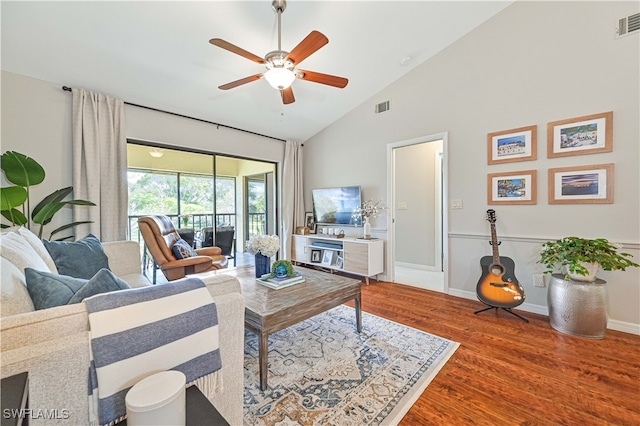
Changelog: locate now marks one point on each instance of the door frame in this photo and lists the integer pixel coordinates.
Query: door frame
(391, 250)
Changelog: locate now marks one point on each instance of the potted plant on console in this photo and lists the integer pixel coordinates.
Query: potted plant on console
(578, 301)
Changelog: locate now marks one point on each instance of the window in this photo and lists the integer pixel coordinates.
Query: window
(152, 193)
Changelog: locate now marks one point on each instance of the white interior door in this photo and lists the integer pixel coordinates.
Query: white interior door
(416, 237)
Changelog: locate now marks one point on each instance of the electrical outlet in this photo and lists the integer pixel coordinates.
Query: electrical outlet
(456, 203)
(538, 280)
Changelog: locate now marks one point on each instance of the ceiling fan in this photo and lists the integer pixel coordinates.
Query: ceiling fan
(281, 65)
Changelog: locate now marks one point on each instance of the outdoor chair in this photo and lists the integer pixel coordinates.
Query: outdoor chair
(225, 240)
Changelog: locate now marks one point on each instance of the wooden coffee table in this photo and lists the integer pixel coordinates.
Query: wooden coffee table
(268, 310)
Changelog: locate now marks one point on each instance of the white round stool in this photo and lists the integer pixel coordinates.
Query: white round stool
(157, 400)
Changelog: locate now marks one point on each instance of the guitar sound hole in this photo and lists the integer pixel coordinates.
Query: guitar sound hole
(497, 270)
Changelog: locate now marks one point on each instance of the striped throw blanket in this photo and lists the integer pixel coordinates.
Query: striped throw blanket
(139, 332)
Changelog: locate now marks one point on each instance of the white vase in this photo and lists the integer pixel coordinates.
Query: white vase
(590, 277)
(367, 228)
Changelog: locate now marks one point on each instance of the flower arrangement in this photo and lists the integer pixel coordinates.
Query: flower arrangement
(185, 219)
(266, 245)
(369, 209)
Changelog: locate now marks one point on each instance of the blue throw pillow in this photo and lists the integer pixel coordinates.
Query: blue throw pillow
(78, 259)
(48, 290)
(182, 250)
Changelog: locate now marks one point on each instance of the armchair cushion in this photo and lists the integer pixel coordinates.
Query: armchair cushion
(48, 290)
(78, 259)
(182, 250)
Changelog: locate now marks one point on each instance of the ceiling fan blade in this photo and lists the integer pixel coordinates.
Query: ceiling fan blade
(241, 82)
(237, 50)
(314, 41)
(329, 80)
(287, 96)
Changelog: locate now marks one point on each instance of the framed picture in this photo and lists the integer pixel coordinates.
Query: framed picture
(507, 146)
(581, 184)
(316, 256)
(339, 262)
(588, 134)
(327, 258)
(512, 187)
(309, 222)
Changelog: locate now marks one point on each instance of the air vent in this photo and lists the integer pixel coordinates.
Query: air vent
(382, 107)
(628, 25)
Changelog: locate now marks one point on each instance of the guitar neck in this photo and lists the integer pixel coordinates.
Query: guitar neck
(494, 245)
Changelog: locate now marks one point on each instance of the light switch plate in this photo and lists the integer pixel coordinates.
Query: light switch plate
(456, 203)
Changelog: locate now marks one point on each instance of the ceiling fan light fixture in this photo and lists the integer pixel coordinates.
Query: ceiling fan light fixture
(156, 153)
(279, 78)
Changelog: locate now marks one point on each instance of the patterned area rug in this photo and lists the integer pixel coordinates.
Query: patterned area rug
(322, 372)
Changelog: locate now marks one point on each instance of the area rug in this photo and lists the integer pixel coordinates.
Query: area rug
(322, 372)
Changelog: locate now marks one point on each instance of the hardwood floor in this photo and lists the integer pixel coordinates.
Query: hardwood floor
(509, 372)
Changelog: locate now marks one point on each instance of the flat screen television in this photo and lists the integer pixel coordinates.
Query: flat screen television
(335, 206)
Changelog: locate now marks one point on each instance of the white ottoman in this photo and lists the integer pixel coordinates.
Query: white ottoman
(157, 400)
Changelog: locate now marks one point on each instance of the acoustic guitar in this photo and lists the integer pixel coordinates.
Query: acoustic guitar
(498, 286)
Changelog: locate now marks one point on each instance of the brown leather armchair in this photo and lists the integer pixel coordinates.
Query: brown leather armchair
(160, 235)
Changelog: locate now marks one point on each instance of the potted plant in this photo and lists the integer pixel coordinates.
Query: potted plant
(15, 201)
(282, 268)
(578, 302)
(579, 258)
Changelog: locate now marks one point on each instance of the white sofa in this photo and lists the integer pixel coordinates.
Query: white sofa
(52, 345)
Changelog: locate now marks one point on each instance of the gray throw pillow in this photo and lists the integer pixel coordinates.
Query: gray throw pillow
(48, 290)
(78, 259)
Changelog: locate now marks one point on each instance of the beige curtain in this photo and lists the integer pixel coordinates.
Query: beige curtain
(292, 195)
(100, 165)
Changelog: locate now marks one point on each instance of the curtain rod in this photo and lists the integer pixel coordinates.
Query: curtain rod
(69, 89)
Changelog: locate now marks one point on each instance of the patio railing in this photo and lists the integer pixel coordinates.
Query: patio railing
(205, 220)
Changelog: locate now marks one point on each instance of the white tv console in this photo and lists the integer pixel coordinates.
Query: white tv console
(359, 256)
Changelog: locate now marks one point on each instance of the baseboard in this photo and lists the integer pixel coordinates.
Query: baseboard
(418, 266)
(625, 327)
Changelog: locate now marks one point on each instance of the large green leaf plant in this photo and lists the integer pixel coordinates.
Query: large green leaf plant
(15, 203)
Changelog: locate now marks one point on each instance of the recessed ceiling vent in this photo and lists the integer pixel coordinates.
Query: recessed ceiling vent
(628, 25)
(382, 107)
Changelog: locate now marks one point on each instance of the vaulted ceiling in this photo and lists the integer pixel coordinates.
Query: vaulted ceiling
(158, 54)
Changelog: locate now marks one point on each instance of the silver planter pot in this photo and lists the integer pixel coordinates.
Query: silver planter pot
(578, 308)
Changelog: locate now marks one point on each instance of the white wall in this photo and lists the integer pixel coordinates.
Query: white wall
(36, 121)
(533, 63)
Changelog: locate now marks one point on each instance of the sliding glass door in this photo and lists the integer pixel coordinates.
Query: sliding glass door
(202, 193)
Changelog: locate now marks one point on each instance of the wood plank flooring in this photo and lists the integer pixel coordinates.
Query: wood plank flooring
(508, 372)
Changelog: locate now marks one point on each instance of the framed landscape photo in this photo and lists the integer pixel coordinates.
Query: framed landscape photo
(339, 262)
(327, 258)
(589, 134)
(512, 145)
(512, 187)
(309, 222)
(316, 256)
(581, 184)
